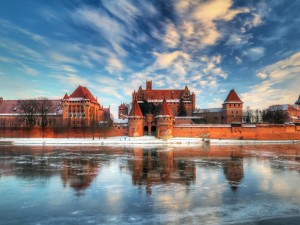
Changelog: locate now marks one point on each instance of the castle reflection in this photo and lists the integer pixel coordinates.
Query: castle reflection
(160, 166)
(78, 173)
(152, 167)
(78, 167)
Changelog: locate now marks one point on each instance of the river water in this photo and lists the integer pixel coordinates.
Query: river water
(247, 184)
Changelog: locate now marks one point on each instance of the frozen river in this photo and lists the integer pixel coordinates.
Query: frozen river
(248, 184)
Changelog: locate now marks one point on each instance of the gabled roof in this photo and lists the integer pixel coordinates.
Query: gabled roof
(298, 101)
(83, 92)
(165, 109)
(136, 110)
(233, 97)
(10, 107)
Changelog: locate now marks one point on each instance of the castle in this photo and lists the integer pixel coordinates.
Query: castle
(161, 113)
(155, 112)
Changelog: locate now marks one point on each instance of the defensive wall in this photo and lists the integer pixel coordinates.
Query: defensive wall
(231, 131)
(214, 131)
(70, 132)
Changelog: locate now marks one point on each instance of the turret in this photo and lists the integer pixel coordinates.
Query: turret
(149, 85)
(135, 121)
(232, 108)
(123, 111)
(165, 121)
(298, 101)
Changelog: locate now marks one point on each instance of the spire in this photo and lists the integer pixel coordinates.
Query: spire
(232, 97)
(165, 109)
(135, 111)
(298, 101)
(66, 96)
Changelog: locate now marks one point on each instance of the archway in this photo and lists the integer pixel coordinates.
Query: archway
(153, 130)
(145, 130)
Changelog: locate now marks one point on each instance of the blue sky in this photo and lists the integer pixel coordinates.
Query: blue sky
(48, 48)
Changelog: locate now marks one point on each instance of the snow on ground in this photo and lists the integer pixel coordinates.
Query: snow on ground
(124, 140)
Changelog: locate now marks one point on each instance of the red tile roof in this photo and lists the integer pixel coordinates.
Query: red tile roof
(136, 110)
(11, 106)
(165, 109)
(232, 97)
(160, 94)
(66, 96)
(83, 92)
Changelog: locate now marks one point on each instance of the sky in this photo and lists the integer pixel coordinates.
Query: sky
(48, 48)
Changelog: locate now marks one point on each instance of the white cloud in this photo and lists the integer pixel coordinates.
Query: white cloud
(63, 58)
(113, 65)
(30, 71)
(280, 84)
(5, 59)
(238, 60)
(261, 75)
(199, 19)
(164, 60)
(255, 53)
(171, 37)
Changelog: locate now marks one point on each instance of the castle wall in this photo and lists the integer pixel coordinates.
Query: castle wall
(259, 132)
(135, 127)
(62, 132)
(262, 132)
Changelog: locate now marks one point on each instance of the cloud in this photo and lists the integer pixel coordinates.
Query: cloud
(5, 59)
(5, 24)
(255, 53)
(171, 37)
(30, 71)
(199, 19)
(113, 65)
(72, 80)
(262, 76)
(280, 84)
(164, 60)
(59, 57)
(238, 60)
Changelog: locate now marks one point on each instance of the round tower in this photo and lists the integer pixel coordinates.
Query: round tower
(165, 122)
(135, 121)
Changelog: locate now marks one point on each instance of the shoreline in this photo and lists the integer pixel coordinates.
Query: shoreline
(145, 140)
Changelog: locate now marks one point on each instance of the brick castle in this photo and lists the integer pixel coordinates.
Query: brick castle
(163, 113)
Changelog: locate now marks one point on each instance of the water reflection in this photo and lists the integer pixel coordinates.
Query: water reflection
(124, 185)
(78, 166)
(79, 172)
(158, 166)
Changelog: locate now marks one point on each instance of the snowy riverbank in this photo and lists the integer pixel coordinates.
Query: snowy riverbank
(145, 140)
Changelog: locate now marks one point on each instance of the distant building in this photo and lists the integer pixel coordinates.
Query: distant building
(123, 111)
(10, 115)
(80, 108)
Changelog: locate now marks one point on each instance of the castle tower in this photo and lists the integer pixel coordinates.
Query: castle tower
(135, 121)
(123, 111)
(298, 108)
(232, 108)
(149, 85)
(298, 101)
(165, 122)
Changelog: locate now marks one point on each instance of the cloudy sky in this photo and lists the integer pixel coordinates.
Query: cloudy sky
(48, 48)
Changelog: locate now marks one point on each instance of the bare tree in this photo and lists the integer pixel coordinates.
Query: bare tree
(275, 115)
(44, 107)
(28, 109)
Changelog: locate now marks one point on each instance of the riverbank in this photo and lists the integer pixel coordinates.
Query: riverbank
(145, 140)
